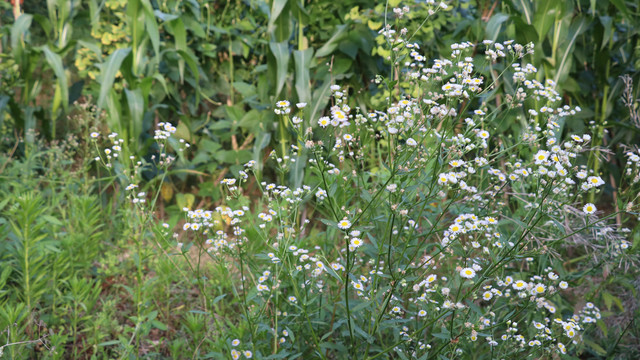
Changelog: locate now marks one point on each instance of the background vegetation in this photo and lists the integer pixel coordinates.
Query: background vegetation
(215, 68)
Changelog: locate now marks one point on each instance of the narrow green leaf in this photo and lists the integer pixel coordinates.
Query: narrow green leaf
(165, 17)
(109, 343)
(217, 299)
(199, 312)
(108, 73)
(52, 220)
(158, 325)
(151, 27)
(5, 275)
(597, 348)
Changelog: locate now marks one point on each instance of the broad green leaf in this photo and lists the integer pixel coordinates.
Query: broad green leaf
(135, 20)
(622, 7)
(44, 23)
(250, 121)
(94, 13)
(4, 275)
(180, 34)
(165, 17)
(162, 82)
(595, 347)
(320, 98)
(185, 200)
(145, 86)
(333, 42)
(282, 29)
(135, 101)
(245, 89)
(113, 110)
(276, 8)
(108, 74)
(55, 62)
(564, 65)
(29, 124)
(281, 53)
(603, 327)
(151, 27)
(53, 14)
(158, 325)
(302, 59)
(195, 26)
(93, 47)
(525, 7)
(4, 100)
(234, 113)
(233, 156)
(494, 26)
(52, 220)
(19, 30)
(188, 57)
(546, 13)
(296, 174)
(607, 24)
(526, 33)
(262, 140)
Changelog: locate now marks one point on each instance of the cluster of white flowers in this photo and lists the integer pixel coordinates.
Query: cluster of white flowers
(164, 131)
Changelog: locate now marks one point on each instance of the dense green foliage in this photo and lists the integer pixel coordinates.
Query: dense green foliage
(88, 269)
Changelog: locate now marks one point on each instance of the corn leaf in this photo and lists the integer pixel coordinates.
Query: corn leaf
(135, 101)
(55, 62)
(281, 53)
(302, 61)
(108, 73)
